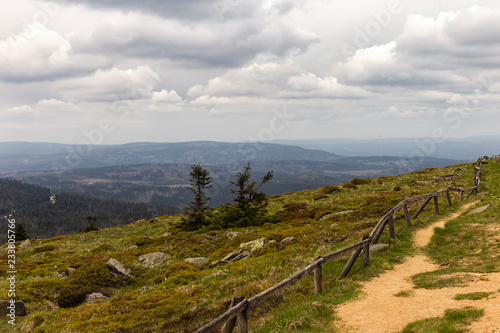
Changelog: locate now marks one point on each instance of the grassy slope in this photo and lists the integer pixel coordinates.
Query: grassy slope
(194, 295)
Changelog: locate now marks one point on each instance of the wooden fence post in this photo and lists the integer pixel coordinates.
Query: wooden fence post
(229, 326)
(461, 195)
(350, 262)
(407, 216)
(436, 206)
(366, 252)
(318, 280)
(390, 221)
(448, 197)
(417, 213)
(243, 321)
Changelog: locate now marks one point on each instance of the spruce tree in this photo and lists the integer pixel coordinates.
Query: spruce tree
(194, 213)
(249, 205)
(21, 233)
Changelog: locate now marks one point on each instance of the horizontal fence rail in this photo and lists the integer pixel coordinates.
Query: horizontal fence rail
(238, 310)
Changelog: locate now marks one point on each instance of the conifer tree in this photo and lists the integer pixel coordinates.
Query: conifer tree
(21, 233)
(249, 205)
(194, 213)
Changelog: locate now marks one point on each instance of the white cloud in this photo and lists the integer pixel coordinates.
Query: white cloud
(39, 54)
(111, 85)
(274, 80)
(20, 109)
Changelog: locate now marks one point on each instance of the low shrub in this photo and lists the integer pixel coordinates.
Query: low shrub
(71, 296)
(93, 275)
(320, 196)
(349, 185)
(103, 248)
(297, 210)
(45, 248)
(330, 189)
(359, 181)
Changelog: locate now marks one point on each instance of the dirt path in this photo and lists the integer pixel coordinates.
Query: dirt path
(378, 310)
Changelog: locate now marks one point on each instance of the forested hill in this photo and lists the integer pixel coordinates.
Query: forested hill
(67, 213)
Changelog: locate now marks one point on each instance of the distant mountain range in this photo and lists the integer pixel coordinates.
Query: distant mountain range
(158, 173)
(24, 156)
(465, 149)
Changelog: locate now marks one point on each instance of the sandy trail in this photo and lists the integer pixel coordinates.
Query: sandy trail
(378, 310)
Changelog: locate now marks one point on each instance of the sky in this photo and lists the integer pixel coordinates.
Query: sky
(118, 71)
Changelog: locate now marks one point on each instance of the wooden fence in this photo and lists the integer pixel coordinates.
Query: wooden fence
(238, 310)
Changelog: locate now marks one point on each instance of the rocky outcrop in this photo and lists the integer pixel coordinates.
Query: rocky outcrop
(328, 216)
(478, 210)
(287, 240)
(231, 234)
(94, 296)
(25, 243)
(255, 244)
(197, 260)
(152, 260)
(7, 307)
(117, 269)
(232, 257)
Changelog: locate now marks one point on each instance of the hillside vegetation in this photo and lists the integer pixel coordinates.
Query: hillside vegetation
(177, 296)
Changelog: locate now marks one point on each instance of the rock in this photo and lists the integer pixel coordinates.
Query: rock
(209, 238)
(118, 269)
(231, 234)
(327, 216)
(255, 244)
(232, 257)
(378, 247)
(167, 234)
(272, 241)
(478, 210)
(219, 263)
(237, 255)
(25, 243)
(287, 240)
(94, 296)
(63, 275)
(197, 260)
(132, 247)
(71, 270)
(451, 176)
(152, 260)
(56, 267)
(19, 309)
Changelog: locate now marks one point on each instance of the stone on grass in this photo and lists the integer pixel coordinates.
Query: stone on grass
(20, 308)
(231, 234)
(255, 244)
(152, 260)
(132, 247)
(478, 210)
(232, 257)
(94, 296)
(197, 260)
(118, 270)
(378, 247)
(25, 243)
(288, 240)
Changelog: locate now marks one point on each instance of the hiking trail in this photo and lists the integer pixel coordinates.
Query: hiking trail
(378, 310)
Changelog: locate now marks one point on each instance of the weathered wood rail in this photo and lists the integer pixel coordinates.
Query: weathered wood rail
(238, 310)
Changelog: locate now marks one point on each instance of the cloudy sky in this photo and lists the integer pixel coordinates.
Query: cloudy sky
(116, 71)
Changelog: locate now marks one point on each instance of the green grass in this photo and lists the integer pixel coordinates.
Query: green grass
(472, 296)
(454, 321)
(175, 297)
